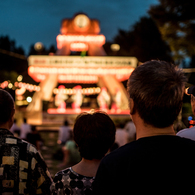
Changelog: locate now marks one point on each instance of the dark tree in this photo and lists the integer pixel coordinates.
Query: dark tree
(12, 61)
(42, 51)
(143, 41)
(176, 22)
(52, 49)
(9, 45)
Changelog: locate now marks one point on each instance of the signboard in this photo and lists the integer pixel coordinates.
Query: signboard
(78, 61)
(76, 69)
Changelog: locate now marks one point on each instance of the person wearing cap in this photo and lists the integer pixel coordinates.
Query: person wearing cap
(189, 132)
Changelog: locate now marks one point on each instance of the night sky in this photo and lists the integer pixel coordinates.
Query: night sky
(31, 21)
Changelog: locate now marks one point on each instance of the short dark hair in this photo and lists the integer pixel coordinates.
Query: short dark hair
(94, 133)
(157, 89)
(33, 128)
(6, 106)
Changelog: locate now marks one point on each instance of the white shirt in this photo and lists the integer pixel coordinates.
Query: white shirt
(121, 137)
(64, 133)
(131, 129)
(14, 127)
(24, 130)
(187, 133)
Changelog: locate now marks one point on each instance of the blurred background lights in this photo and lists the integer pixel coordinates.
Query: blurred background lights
(38, 46)
(10, 85)
(189, 118)
(29, 99)
(20, 77)
(115, 47)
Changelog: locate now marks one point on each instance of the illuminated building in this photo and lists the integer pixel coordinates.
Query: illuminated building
(79, 34)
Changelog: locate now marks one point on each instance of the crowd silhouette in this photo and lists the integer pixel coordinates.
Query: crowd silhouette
(101, 157)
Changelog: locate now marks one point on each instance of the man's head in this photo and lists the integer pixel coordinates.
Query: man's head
(94, 133)
(156, 89)
(6, 108)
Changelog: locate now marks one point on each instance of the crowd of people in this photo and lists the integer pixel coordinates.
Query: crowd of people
(28, 133)
(143, 156)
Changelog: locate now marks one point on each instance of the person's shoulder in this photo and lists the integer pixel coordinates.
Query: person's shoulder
(187, 130)
(64, 171)
(185, 147)
(187, 133)
(26, 147)
(58, 176)
(185, 142)
(121, 153)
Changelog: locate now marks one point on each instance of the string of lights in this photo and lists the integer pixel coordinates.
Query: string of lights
(21, 88)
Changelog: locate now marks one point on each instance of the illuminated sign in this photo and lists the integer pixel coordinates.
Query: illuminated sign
(78, 61)
(78, 33)
(76, 69)
(80, 40)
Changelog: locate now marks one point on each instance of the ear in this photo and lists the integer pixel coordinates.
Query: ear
(13, 112)
(131, 106)
(12, 117)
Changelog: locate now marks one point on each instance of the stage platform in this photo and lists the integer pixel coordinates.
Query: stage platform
(53, 119)
(73, 111)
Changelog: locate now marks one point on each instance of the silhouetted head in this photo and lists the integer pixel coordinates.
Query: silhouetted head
(7, 107)
(24, 120)
(157, 89)
(66, 123)
(94, 133)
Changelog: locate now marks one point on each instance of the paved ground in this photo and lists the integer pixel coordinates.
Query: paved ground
(51, 151)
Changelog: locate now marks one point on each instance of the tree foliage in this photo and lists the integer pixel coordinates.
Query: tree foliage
(10, 45)
(43, 51)
(176, 22)
(13, 62)
(143, 41)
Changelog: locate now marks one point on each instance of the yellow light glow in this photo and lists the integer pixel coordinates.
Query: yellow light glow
(21, 102)
(10, 85)
(115, 47)
(78, 47)
(20, 77)
(29, 99)
(38, 46)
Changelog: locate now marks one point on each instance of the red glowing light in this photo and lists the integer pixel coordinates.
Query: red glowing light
(192, 122)
(76, 74)
(80, 40)
(72, 111)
